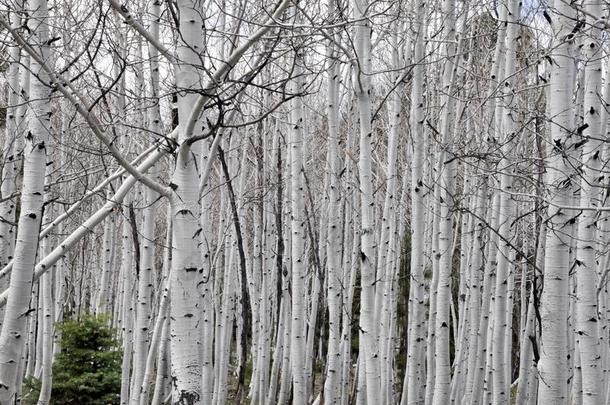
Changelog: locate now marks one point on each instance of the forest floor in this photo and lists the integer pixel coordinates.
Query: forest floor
(233, 383)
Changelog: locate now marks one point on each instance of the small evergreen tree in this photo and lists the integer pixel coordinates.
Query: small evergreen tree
(88, 368)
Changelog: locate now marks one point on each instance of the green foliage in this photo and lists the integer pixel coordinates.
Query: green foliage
(428, 272)
(88, 369)
(31, 391)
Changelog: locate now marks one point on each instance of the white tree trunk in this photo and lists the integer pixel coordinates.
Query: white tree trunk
(369, 350)
(158, 344)
(9, 154)
(415, 351)
(185, 312)
(144, 295)
(587, 318)
(553, 362)
(298, 236)
(507, 123)
(127, 305)
(13, 328)
(474, 301)
(162, 382)
(333, 241)
(442, 371)
(48, 306)
(526, 355)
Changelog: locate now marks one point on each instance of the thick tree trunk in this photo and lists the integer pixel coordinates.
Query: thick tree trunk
(186, 272)
(13, 328)
(554, 301)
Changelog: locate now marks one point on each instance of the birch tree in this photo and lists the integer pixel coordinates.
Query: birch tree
(30, 217)
(307, 202)
(554, 300)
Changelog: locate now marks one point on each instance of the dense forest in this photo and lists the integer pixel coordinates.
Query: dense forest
(304, 202)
